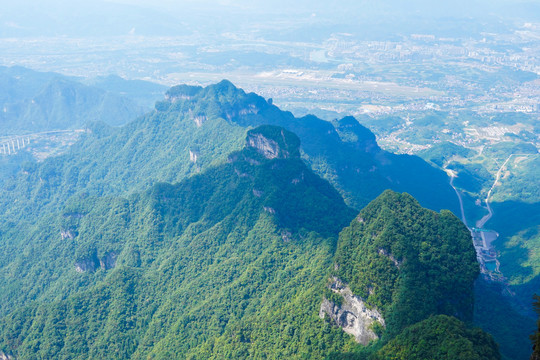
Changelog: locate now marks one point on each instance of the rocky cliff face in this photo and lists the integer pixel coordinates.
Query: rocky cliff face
(264, 146)
(92, 263)
(273, 142)
(353, 316)
(86, 264)
(108, 261)
(6, 357)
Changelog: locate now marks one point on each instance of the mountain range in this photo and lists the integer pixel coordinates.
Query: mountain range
(219, 226)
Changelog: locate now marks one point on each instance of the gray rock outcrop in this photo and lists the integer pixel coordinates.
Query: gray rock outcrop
(266, 147)
(273, 142)
(353, 315)
(87, 264)
(108, 261)
(3, 356)
(92, 263)
(67, 234)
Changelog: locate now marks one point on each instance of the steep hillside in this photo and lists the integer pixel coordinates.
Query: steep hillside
(228, 263)
(203, 230)
(344, 152)
(406, 263)
(440, 337)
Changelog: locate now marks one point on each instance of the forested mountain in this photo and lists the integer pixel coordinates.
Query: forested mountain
(408, 261)
(233, 262)
(32, 101)
(194, 128)
(344, 152)
(205, 229)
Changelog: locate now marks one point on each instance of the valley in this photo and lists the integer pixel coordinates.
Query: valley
(297, 180)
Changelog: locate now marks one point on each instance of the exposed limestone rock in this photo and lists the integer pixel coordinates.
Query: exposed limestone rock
(108, 261)
(390, 256)
(182, 92)
(92, 263)
(175, 98)
(199, 120)
(269, 210)
(76, 215)
(193, 156)
(266, 147)
(3, 356)
(286, 235)
(67, 234)
(250, 109)
(87, 264)
(353, 316)
(257, 193)
(273, 142)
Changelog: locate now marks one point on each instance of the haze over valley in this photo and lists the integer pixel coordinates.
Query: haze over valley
(216, 179)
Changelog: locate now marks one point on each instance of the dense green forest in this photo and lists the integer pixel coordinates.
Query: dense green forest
(408, 261)
(440, 337)
(229, 263)
(203, 230)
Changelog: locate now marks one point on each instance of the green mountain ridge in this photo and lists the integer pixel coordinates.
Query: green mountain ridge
(229, 263)
(408, 261)
(234, 224)
(195, 128)
(344, 152)
(200, 231)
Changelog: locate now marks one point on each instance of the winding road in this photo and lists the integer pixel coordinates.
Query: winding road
(452, 177)
(480, 223)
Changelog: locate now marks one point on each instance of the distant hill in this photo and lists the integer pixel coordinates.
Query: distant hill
(32, 101)
(144, 93)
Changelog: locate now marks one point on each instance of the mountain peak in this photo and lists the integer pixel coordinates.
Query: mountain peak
(350, 130)
(225, 84)
(182, 92)
(273, 142)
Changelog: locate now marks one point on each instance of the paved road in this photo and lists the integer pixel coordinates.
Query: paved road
(480, 223)
(452, 176)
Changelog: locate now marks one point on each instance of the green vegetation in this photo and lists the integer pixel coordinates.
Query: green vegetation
(228, 263)
(440, 337)
(472, 177)
(176, 237)
(408, 261)
(495, 312)
(519, 181)
(442, 152)
(191, 132)
(535, 338)
(502, 150)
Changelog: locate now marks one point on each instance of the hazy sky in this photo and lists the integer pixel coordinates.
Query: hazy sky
(168, 17)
